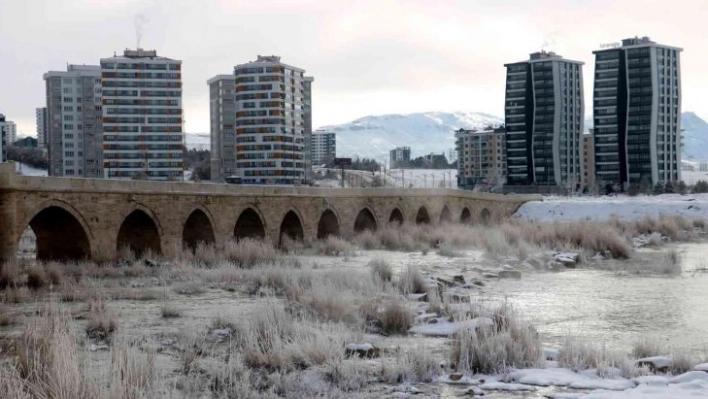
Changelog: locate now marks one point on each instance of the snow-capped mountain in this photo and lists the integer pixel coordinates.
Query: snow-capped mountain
(695, 137)
(424, 132)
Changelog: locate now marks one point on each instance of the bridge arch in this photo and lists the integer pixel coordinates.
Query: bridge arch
(365, 220)
(485, 216)
(198, 228)
(445, 215)
(328, 224)
(140, 232)
(466, 216)
(249, 225)
(291, 227)
(396, 217)
(422, 217)
(62, 233)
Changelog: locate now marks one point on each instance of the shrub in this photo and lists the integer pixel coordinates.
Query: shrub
(411, 282)
(169, 312)
(10, 275)
(36, 277)
(249, 252)
(381, 269)
(367, 240)
(510, 342)
(395, 318)
(335, 246)
(101, 323)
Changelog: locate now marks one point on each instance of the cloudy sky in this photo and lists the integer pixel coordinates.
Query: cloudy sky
(367, 57)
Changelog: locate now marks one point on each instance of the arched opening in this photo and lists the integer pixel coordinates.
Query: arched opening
(445, 216)
(485, 216)
(396, 217)
(328, 225)
(139, 234)
(249, 225)
(422, 217)
(197, 229)
(291, 227)
(466, 216)
(365, 220)
(59, 236)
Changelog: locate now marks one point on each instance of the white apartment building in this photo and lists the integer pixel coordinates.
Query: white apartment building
(481, 157)
(41, 119)
(73, 121)
(323, 146)
(11, 129)
(142, 116)
(221, 114)
(270, 122)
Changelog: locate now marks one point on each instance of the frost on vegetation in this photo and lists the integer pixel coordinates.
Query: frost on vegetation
(508, 342)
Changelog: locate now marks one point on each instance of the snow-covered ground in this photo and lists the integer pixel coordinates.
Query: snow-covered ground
(602, 208)
(27, 170)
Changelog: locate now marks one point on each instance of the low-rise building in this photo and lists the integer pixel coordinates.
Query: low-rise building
(481, 157)
(400, 157)
(3, 139)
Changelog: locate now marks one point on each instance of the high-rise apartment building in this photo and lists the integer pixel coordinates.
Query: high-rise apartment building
(3, 139)
(142, 116)
(73, 121)
(42, 129)
(589, 160)
(270, 127)
(544, 113)
(323, 147)
(11, 129)
(481, 157)
(307, 118)
(637, 113)
(222, 114)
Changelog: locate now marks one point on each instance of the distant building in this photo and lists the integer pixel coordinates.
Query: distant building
(637, 113)
(26, 142)
(11, 129)
(307, 118)
(589, 160)
(323, 146)
(703, 167)
(142, 116)
(400, 157)
(3, 139)
(41, 119)
(73, 121)
(544, 113)
(481, 157)
(270, 122)
(222, 127)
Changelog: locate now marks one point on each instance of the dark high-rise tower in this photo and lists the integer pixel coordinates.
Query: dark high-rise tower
(637, 113)
(544, 114)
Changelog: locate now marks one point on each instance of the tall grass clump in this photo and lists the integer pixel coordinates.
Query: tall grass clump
(249, 252)
(509, 342)
(133, 374)
(381, 270)
(411, 282)
(101, 322)
(334, 246)
(577, 355)
(648, 347)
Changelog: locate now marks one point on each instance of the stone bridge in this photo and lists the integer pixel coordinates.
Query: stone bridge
(93, 219)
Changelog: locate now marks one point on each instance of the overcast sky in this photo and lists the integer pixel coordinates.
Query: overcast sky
(367, 57)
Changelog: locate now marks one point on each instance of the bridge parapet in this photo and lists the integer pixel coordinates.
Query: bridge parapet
(94, 218)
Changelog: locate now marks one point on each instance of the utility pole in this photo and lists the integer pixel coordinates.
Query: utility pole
(403, 179)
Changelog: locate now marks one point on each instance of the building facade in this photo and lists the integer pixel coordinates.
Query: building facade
(589, 160)
(544, 111)
(323, 147)
(270, 122)
(72, 119)
(307, 117)
(637, 113)
(399, 157)
(222, 114)
(481, 157)
(142, 116)
(11, 129)
(3, 139)
(41, 120)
